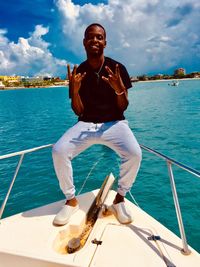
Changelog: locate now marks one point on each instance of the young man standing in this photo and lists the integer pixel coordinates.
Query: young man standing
(99, 97)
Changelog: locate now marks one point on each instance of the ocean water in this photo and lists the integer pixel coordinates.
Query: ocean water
(162, 117)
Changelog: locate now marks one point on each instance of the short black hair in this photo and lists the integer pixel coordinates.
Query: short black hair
(94, 24)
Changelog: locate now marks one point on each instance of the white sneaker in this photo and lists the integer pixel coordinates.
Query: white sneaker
(64, 214)
(122, 213)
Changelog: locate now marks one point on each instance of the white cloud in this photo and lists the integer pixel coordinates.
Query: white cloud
(3, 39)
(40, 31)
(146, 35)
(29, 56)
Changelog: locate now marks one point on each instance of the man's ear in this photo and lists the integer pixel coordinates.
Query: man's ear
(84, 41)
(105, 43)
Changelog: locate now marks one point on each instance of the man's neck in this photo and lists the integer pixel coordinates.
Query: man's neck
(96, 62)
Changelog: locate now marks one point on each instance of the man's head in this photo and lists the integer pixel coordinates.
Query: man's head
(93, 25)
(94, 39)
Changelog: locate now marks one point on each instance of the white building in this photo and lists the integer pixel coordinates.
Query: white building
(2, 85)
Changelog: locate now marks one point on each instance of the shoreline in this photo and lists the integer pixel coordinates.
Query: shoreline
(55, 86)
(169, 80)
(33, 87)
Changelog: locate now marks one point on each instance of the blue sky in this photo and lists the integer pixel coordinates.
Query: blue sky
(149, 36)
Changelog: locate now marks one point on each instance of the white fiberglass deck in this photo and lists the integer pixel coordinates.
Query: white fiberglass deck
(30, 239)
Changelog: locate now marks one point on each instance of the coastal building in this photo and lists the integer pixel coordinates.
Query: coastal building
(134, 79)
(143, 78)
(40, 78)
(158, 76)
(32, 79)
(10, 79)
(2, 86)
(195, 75)
(179, 71)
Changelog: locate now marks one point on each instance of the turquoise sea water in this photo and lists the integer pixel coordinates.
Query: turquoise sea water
(162, 117)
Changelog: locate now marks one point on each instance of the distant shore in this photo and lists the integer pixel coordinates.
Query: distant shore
(169, 80)
(57, 86)
(31, 87)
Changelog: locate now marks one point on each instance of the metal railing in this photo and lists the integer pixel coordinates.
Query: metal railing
(169, 161)
(21, 154)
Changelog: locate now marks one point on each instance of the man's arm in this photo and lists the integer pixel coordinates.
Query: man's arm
(115, 81)
(74, 87)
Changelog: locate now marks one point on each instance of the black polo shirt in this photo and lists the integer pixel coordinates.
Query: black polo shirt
(98, 97)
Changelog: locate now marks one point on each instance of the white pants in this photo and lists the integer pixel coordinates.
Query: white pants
(116, 135)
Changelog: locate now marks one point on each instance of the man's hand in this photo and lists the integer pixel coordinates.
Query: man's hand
(114, 80)
(74, 79)
(74, 86)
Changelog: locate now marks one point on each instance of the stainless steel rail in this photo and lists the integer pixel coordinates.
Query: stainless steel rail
(168, 160)
(21, 154)
(24, 151)
(172, 161)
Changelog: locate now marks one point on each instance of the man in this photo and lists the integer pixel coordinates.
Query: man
(99, 97)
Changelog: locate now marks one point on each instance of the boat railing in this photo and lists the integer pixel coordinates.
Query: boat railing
(21, 154)
(169, 161)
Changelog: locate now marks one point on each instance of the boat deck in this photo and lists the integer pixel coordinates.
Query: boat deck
(30, 239)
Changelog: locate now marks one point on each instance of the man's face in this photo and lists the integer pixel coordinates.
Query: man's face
(94, 41)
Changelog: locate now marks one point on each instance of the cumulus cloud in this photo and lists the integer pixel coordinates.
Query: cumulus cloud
(28, 56)
(147, 35)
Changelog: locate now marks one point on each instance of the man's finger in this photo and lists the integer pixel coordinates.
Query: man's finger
(105, 79)
(74, 70)
(117, 70)
(83, 75)
(109, 70)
